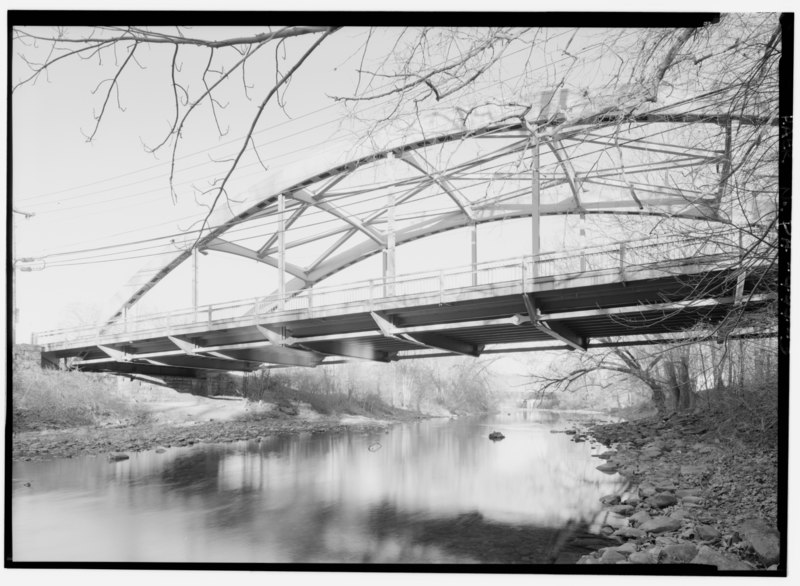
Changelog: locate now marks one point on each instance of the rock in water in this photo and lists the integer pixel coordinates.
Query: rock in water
(116, 457)
(496, 436)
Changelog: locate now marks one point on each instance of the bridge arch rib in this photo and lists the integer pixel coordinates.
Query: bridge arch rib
(567, 167)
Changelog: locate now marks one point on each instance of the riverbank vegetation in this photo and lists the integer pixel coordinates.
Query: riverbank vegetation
(736, 379)
(54, 399)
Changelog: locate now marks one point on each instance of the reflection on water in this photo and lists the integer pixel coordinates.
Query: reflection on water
(435, 491)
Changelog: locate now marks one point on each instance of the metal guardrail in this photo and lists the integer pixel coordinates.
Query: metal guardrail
(660, 251)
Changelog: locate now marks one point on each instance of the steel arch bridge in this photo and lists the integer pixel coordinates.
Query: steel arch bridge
(559, 163)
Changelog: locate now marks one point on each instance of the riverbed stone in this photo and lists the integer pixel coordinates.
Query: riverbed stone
(692, 500)
(608, 467)
(684, 492)
(646, 489)
(710, 557)
(679, 514)
(615, 521)
(118, 457)
(694, 470)
(624, 510)
(626, 548)
(764, 538)
(638, 518)
(629, 533)
(650, 452)
(611, 556)
(680, 553)
(660, 525)
(665, 485)
(706, 532)
(610, 499)
(661, 500)
(642, 557)
(607, 454)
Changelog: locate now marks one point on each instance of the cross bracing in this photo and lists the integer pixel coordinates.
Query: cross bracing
(346, 208)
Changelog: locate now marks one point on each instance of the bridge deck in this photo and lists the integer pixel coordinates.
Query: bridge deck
(422, 316)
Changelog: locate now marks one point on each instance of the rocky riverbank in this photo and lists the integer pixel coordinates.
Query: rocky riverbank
(119, 440)
(694, 496)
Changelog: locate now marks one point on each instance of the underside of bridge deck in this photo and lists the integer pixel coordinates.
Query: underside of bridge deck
(552, 316)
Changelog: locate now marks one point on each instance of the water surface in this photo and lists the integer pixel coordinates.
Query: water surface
(435, 491)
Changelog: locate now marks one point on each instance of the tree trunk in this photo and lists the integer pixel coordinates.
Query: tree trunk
(659, 400)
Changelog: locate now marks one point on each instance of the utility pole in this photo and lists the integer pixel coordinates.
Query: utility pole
(14, 260)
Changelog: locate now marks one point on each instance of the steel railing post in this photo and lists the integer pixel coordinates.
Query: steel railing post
(371, 285)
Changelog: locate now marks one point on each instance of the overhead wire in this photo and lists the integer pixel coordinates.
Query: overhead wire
(554, 164)
(319, 211)
(30, 200)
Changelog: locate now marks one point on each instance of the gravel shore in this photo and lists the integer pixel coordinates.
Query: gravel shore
(692, 497)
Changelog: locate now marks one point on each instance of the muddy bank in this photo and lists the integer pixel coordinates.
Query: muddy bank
(694, 496)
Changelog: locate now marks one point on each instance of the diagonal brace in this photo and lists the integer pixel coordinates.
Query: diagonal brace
(554, 329)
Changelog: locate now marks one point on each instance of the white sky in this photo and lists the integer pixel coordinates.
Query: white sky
(90, 194)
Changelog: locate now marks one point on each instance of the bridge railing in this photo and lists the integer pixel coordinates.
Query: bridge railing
(625, 256)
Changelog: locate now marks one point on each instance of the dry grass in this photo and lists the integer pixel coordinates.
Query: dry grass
(52, 399)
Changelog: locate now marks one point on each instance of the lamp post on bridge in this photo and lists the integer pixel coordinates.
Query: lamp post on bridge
(14, 262)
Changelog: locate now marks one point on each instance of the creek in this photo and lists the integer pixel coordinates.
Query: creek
(435, 491)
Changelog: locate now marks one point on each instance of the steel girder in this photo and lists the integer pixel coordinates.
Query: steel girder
(558, 133)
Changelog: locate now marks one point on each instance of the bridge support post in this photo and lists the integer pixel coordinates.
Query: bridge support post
(195, 284)
(583, 241)
(474, 239)
(281, 252)
(389, 253)
(535, 214)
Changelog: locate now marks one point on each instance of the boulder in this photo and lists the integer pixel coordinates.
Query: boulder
(764, 538)
(680, 553)
(692, 500)
(660, 525)
(710, 557)
(117, 457)
(607, 454)
(608, 468)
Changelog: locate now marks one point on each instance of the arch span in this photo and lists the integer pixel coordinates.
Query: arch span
(478, 176)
